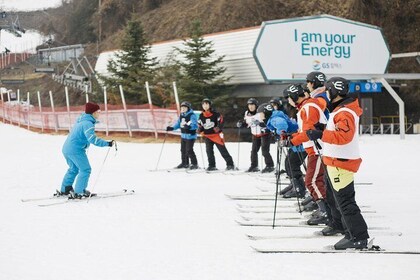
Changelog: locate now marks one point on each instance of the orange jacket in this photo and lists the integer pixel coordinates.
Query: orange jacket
(344, 132)
(309, 119)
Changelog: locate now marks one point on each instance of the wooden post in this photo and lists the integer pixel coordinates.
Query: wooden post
(176, 97)
(18, 110)
(149, 97)
(4, 110)
(53, 111)
(8, 111)
(86, 92)
(40, 111)
(29, 110)
(106, 112)
(125, 111)
(68, 105)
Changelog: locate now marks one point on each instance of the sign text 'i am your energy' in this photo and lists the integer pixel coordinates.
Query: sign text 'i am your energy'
(325, 44)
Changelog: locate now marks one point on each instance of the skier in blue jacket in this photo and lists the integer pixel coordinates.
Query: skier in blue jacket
(188, 124)
(74, 151)
(281, 125)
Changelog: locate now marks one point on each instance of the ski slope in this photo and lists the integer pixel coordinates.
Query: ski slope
(180, 225)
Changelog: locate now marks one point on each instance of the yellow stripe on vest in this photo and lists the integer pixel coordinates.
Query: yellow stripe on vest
(340, 178)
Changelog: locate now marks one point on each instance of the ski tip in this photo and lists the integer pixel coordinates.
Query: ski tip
(251, 237)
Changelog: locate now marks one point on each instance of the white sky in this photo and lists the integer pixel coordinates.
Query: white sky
(27, 5)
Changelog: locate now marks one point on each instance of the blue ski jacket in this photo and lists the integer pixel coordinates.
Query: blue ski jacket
(82, 135)
(279, 122)
(188, 124)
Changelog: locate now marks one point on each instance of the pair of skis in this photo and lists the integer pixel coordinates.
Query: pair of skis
(58, 200)
(310, 249)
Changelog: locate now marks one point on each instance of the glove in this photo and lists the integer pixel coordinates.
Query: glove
(239, 124)
(314, 134)
(169, 128)
(187, 126)
(286, 140)
(216, 129)
(319, 126)
(275, 135)
(111, 143)
(262, 124)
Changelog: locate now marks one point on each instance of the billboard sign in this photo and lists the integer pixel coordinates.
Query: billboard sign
(323, 43)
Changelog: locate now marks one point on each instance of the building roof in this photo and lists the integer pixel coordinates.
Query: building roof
(236, 45)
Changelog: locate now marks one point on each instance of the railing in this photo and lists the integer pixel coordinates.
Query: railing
(384, 125)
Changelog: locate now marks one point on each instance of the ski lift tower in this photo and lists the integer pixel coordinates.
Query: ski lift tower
(12, 26)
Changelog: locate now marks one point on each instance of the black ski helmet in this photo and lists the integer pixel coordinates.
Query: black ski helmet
(252, 101)
(337, 86)
(267, 109)
(186, 104)
(294, 91)
(207, 100)
(278, 102)
(317, 78)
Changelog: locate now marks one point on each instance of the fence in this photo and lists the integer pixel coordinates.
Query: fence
(114, 118)
(384, 125)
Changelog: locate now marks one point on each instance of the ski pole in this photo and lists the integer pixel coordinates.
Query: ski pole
(100, 171)
(318, 148)
(239, 146)
(302, 160)
(202, 155)
(161, 150)
(279, 154)
(293, 181)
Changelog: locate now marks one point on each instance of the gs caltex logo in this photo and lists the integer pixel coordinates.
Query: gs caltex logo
(316, 65)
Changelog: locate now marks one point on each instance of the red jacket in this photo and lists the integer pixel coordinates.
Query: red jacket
(344, 132)
(309, 119)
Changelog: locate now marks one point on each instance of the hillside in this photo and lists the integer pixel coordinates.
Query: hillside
(79, 21)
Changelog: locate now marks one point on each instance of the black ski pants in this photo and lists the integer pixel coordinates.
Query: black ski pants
(262, 142)
(343, 209)
(222, 149)
(187, 151)
(293, 161)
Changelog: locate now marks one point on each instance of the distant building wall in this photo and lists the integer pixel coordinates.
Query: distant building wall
(237, 47)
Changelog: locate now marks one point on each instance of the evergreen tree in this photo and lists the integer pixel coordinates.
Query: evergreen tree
(201, 70)
(132, 66)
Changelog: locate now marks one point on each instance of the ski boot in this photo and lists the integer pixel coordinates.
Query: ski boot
(253, 169)
(211, 168)
(311, 206)
(84, 194)
(193, 166)
(321, 216)
(182, 165)
(230, 167)
(298, 190)
(267, 169)
(307, 200)
(286, 189)
(330, 231)
(66, 192)
(346, 243)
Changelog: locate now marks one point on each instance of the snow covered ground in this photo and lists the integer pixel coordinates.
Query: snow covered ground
(182, 226)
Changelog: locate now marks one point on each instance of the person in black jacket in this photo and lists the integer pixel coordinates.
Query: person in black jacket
(210, 125)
